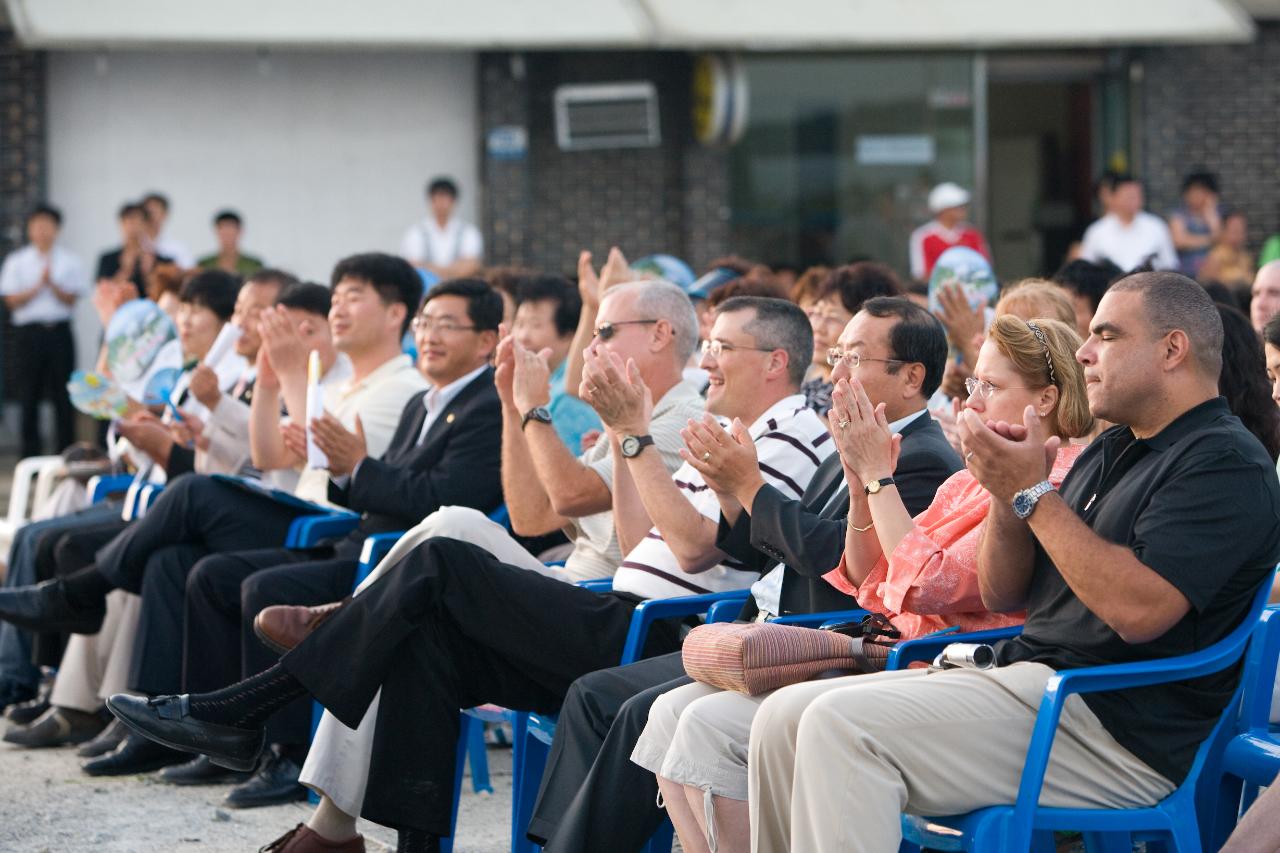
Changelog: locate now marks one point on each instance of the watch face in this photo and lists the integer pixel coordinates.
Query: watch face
(1022, 504)
(630, 445)
(873, 487)
(542, 413)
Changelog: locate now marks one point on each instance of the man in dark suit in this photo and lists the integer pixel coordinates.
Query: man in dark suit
(593, 797)
(445, 452)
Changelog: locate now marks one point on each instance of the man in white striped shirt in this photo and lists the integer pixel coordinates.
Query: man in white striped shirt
(452, 627)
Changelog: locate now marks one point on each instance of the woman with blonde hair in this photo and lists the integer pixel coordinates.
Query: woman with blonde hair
(921, 573)
(1035, 297)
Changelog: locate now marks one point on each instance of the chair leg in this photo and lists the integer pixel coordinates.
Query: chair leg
(465, 726)
(479, 758)
(660, 841)
(525, 789)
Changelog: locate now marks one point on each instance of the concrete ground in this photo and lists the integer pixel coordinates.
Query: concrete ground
(47, 805)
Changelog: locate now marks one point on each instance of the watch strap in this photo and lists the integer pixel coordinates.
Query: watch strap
(537, 413)
(881, 484)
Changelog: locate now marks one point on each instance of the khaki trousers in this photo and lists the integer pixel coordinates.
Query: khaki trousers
(337, 764)
(833, 764)
(95, 666)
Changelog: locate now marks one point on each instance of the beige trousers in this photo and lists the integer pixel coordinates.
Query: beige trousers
(95, 666)
(833, 764)
(337, 764)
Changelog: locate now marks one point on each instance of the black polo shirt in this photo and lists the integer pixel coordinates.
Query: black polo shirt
(1199, 504)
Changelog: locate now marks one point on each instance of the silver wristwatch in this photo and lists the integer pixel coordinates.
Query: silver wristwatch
(1024, 502)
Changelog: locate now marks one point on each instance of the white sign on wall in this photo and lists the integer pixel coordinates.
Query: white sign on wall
(902, 149)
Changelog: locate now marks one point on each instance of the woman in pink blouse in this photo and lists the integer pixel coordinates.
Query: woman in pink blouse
(921, 573)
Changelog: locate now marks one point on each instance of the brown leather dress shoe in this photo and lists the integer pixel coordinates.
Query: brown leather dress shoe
(303, 839)
(284, 626)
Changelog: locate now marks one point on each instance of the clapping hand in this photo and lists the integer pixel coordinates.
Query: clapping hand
(866, 446)
(616, 391)
(1007, 458)
(504, 367)
(283, 345)
(726, 459)
(204, 386)
(344, 448)
(963, 322)
(531, 381)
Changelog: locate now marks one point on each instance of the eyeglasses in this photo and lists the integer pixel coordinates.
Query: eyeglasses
(825, 319)
(423, 323)
(835, 355)
(982, 389)
(717, 347)
(608, 329)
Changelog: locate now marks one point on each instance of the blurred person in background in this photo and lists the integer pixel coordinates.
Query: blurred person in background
(1086, 282)
(1229, 262)
(41, 283)
(228, 227)
(949, 204)
(442, 243)
(134, 260)
(1244, 379)
(1127, 235)
(163, 243)
(1265, 302)
(805, 291)
(1197, 223)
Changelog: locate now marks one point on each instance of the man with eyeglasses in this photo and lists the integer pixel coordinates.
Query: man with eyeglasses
(593, 797)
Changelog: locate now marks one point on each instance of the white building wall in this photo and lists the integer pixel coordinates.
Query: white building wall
(323, 153)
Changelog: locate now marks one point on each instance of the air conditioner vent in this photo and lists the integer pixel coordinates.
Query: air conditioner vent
(610, 115)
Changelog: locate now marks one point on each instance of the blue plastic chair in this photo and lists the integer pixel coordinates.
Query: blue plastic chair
(1005, 828)
(1252, 756)
(104, 486)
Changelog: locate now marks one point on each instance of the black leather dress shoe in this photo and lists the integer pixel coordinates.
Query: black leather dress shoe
(14, 694)
(45, 607)
(108, 740)
(135, 755)
(57, 727)
(275, 782)
(167, 720)
(200, 771)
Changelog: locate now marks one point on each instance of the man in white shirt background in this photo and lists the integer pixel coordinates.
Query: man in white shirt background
(443, 244)
(1126, 234)
(40, 283)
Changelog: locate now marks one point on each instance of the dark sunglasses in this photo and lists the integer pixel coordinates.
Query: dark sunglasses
(607, 330)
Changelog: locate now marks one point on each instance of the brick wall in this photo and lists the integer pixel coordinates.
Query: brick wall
(1216, 107)
(541, 210)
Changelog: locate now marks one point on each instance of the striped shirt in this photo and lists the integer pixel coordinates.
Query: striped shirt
(791, 442)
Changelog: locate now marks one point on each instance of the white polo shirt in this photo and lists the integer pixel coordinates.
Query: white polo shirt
(1129, 246)
(24, 267)
(791, 442)
(428, 243)
(379, 399)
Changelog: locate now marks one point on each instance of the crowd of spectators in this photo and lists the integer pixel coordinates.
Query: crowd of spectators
(1091, 457)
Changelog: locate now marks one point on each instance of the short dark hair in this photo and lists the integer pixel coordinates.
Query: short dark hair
(212, 289)
(158, 197)
(1088, 279)
(916, 337)
(227, 216)
(1201, 178)
(853, 284)
(1120, 178)
(484, 305)
(306, 296)
(392, 277)
(1271, 332)
(442, 185)
(271, 275)
(778, 324)
(133, 208)
(1106, 180)
(552, 288)
(46, 210)
(1173, 301)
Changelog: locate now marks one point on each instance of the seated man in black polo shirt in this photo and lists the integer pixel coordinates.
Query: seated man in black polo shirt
(1155, 546)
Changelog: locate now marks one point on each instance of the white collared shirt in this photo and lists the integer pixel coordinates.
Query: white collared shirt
(426, 242)
(791, 441)
(1129, 246)
(24, 267)
(768, 590)
(436, 399)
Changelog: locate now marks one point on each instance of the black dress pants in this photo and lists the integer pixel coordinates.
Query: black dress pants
(195, 510)
(450, 627)
(58, 554)
(226, 591)
(592, 796)
(45, 355)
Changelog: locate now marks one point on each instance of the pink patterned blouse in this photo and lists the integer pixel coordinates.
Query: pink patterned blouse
(930, 581)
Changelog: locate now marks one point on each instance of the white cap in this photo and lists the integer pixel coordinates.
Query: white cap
(947, 195)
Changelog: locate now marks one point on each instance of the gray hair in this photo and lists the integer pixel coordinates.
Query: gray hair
(661, 300)
(777, 324)
(1173, 301)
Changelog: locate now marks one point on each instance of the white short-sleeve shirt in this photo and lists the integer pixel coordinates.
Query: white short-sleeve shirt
(1129, 246)
(24, 267)
(426, 242)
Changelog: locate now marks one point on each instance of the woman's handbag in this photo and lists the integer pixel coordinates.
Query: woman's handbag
(756, 657)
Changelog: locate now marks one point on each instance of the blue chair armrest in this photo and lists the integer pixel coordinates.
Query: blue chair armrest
(501, 516)
(594, 584)
(821, 620)
(724, 611)
(105, 485)
(308, 531)
(376, 546)
(647, 612)
(926, 648)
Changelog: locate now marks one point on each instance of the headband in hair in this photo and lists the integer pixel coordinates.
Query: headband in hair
(1044, 342)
